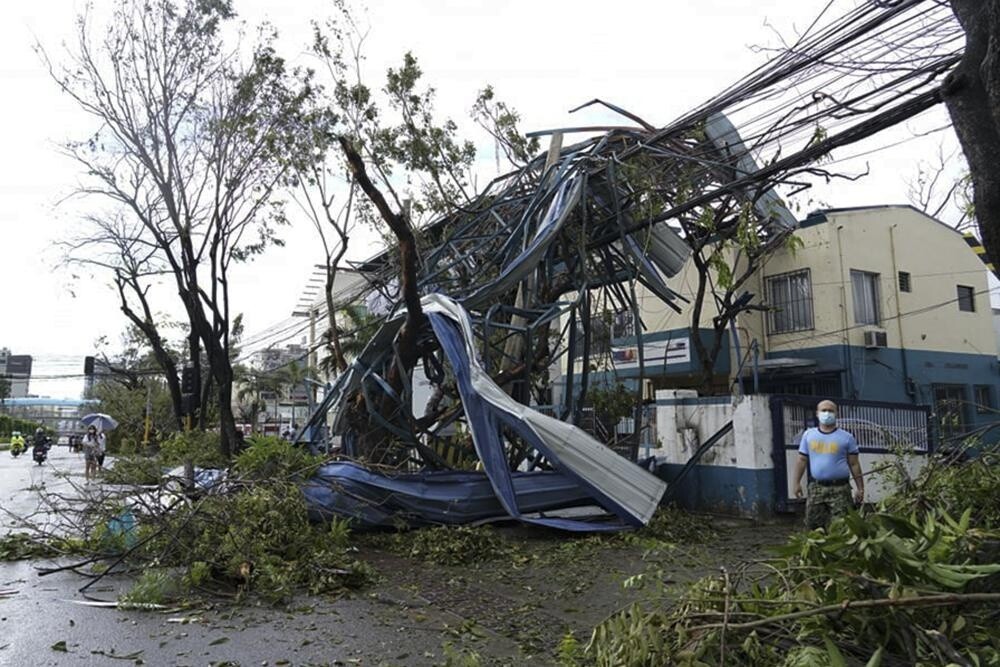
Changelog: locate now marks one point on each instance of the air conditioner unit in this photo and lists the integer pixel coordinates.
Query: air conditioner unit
(875, 338)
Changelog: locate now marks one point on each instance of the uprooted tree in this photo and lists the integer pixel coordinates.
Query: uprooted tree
(194, 140)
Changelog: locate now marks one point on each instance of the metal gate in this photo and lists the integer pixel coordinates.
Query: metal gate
(880, 429)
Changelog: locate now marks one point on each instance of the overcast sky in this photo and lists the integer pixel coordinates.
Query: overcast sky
(657, 59)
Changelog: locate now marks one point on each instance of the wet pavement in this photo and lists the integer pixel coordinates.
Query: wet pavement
(509, 611)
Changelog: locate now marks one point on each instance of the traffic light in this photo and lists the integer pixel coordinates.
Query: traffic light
(188, 381)
(190, 394)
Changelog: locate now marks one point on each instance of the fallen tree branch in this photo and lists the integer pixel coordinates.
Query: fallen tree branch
(953, 599)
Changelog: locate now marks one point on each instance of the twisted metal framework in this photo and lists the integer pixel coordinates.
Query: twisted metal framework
(625, 206)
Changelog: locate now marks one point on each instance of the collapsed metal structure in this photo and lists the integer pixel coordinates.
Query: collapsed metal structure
(509, 280)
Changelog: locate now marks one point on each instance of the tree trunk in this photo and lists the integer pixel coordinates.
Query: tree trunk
(146, 325)
(408, 353)
(335, 348)
(206, 396)
(227, 420)
(972, 95)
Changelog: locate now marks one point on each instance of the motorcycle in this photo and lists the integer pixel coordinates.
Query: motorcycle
(17, 446)
(40, 451)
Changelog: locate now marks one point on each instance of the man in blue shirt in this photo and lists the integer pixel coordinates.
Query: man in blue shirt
(832, 456)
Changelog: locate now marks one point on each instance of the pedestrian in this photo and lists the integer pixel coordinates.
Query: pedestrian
(831, 454)
(102, 446)
(90, 443)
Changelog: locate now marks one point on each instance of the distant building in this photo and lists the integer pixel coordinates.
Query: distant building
(278, 357)
(16, 368)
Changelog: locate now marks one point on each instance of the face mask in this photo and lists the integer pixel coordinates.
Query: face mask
(827, 418)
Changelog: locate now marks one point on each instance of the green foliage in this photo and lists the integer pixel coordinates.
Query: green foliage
(935, 538)
(447, 545)
(896, 552)
(198, 447)
(270, 457)
(127, 404)
(611, 403)
(10, 424)
(134, 470)
(21, 546)
(25, 546)
(569, 653)
(673, 525)
(501, 122)
(954, 487)
(460, 657)
(259, 540)
(152, 587)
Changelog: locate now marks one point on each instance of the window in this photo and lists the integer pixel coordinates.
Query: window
(949, 409)
(904, 282)
(867, 297)
(622, 324)
(984, 398)
(966, 299)
(791, 300)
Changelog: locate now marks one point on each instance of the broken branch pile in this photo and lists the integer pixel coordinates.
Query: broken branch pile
(245, 532)
(902, 586)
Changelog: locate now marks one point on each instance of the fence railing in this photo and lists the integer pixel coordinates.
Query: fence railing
(878, 427)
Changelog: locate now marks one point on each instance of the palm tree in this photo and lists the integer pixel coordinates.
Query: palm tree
(250, 402)
(296, 375)
(356, 326)
(275, 381)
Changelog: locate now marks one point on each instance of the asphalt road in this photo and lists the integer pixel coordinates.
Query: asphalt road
(383, 625)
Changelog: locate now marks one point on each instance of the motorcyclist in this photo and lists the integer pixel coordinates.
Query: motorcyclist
(41, 440)
(42, 444)
(17, 445)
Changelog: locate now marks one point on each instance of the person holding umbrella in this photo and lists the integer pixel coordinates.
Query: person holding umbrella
(95, 442)
(91, 442)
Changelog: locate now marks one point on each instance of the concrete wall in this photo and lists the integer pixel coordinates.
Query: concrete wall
(736, 476)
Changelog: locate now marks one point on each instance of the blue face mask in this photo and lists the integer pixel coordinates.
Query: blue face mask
(827, 418)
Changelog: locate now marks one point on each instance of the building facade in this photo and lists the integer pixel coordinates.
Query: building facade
(16, 369)
(879, 303)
